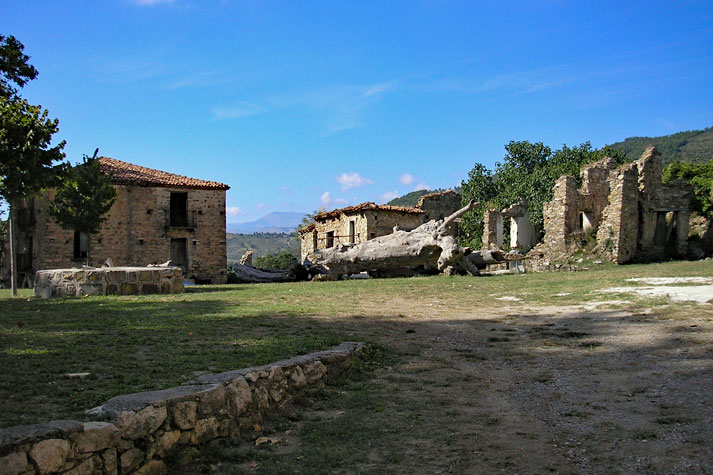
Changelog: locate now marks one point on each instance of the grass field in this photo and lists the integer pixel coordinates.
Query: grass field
(130, 344)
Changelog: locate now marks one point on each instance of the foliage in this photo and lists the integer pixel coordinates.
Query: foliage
(83, 197)
(694, 146)
(26, 158)
(15, 69)
(409, 199)
(700, 176)
(261, 244)
(281, 261)
(527, 174)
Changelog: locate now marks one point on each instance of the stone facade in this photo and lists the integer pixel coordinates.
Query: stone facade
(140, 433)
(108, 281)
(157, 217)
(365, 221)
(622, 214)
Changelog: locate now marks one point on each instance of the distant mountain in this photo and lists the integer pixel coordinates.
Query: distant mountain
(277, 222)
(409, 199)
(695, 146)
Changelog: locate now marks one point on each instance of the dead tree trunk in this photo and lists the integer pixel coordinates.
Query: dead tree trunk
(430, 247)
(253, 275)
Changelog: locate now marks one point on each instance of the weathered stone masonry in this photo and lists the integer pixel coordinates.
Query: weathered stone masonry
(136, 433)
(627, 210)
(365, 221)
(157, 216)
(108, 281)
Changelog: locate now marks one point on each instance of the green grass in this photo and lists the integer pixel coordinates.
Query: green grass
(130, 344)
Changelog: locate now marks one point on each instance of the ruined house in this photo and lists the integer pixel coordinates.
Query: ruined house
(523, 234)
(355, 224)
(157, 216)
(622, 214)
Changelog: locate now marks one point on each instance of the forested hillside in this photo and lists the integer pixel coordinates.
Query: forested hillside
(694, 146)
(262, 244)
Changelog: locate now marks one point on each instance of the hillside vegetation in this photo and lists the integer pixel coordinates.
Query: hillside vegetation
(694, 146)
(262, 244)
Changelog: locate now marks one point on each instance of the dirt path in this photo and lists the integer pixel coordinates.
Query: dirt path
(514, 390)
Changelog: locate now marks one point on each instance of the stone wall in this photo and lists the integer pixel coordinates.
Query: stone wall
(138, 232)
(137, 433)
(622, 215)
(439, 205)
(108, 281)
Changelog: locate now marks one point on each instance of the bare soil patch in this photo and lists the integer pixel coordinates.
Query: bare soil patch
(510, 388)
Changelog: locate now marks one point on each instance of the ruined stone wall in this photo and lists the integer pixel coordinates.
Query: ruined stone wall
(437, 206)
(492, 229)
(139, 433)
(137, 232)
(618, 231)
(108, 281)
(633, 213)
(381, 223)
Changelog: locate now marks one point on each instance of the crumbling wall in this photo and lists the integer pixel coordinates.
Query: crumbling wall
(632, 215)
(439, 205)
(492, 229)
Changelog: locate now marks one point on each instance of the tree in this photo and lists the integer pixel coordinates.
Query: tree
(15, 70)
(700, 176)
(83, 198)
(528, 173)
(281, 261)
(480, 188)
(27, 159)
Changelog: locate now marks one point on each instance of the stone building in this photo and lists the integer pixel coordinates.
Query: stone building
(523, 234)
(355, 224)
(157, 216)
(622, 214)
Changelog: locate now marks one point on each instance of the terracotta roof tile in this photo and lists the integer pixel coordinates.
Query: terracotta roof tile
(368, 206)
(124, 173)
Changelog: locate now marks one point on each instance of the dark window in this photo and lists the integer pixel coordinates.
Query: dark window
(81, 245)
(314, 240)
(330, 239)
(179, 212)
(352, 231)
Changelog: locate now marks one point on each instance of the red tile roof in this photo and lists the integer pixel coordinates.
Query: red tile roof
(368, 206)
(124, 173)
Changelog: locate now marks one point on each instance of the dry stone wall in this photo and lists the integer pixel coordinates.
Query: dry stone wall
(108, 281)
(137, 433)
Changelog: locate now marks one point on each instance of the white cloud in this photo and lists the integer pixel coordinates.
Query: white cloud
(388, 196)
(240, 109)
(421, 186)
(260, 206)
(234, 211)
(406, 179)
(326, 199)
(341, 201)
(352, 180)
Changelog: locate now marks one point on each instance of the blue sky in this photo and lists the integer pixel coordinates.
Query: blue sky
(300, 105)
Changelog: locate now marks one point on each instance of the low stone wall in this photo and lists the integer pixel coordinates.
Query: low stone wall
(135, 433)
(108, 281)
